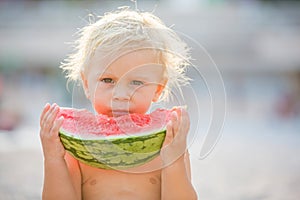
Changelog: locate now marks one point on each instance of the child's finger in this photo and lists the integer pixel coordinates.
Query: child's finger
(45, 110)
(184, 124)
(47, 113)
(45, 125)
(185, 120)
(51, 118)
(169, 134)
(175, 120)
(57, 124)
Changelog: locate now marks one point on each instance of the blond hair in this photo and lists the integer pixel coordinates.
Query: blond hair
(127, 29)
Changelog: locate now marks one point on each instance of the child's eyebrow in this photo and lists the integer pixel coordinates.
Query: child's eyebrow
(105, 73)
(138, 76)
(143, 78)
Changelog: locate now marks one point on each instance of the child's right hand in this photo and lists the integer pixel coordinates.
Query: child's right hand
(175, 146)
(49, 127)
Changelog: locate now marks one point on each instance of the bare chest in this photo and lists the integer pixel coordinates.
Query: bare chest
(110, 184)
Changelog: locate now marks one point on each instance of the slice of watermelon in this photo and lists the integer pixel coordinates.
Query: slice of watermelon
(113, 143)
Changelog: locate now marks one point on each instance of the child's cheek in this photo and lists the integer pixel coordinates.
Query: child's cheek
(101, 104)
(145, 105)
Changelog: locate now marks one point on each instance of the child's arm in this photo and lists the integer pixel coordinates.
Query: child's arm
(176, 177)
(58, 183)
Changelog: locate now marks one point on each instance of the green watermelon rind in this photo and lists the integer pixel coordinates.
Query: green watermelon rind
(121, 152)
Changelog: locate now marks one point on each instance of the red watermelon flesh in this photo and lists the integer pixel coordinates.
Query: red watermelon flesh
(83, 123)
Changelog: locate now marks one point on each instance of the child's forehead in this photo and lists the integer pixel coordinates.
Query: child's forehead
(141, 63)
(136, 70)
(139, 57)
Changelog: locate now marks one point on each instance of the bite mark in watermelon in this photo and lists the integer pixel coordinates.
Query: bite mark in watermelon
(113, 143)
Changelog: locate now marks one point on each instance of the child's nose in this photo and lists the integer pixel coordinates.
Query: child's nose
(121, 93)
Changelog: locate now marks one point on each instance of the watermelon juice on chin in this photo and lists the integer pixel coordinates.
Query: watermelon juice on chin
(121, 142)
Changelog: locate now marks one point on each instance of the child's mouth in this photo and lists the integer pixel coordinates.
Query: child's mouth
(117, 113)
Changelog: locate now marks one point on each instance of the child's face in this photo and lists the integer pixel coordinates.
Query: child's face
(128, 85)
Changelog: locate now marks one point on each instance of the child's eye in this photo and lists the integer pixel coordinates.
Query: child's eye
(135, 82)
(107, 80)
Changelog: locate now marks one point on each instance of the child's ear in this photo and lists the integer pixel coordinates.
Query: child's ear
(85, 85)
(159, 90)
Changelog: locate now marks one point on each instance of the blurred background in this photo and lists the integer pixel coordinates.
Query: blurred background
(255, 44)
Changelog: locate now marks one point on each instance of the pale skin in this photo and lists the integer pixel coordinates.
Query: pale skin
(115, 90)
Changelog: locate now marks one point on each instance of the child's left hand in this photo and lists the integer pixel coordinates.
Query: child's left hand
(175, 142)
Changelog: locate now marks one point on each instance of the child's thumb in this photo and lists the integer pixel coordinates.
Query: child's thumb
(169, 134)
